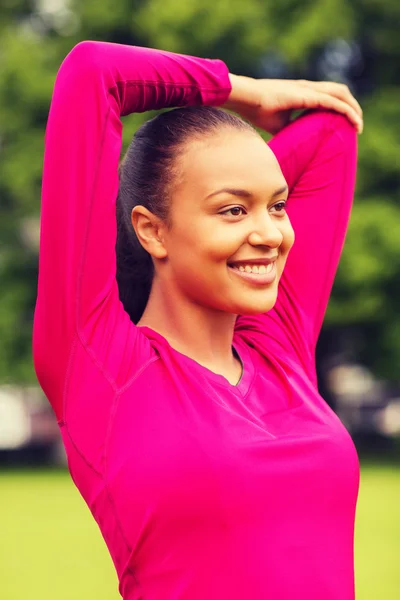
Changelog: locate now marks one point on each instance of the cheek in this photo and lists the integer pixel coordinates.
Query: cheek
(205, 242)
(288, 236)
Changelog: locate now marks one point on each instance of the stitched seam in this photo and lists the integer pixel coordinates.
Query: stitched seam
(117, 389)
(117, 393)
(251, 384)
(114, 408)
(138, 372)
(67, 379)
(130, 570)
(143, 82)
(127, 567)
(107, 490)
(80, 453)
(115, 513)
(93, 356)
(65, 399)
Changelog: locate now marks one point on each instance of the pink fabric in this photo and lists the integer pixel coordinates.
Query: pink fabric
(202, 489)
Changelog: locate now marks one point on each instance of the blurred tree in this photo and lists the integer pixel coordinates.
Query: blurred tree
(355, 41)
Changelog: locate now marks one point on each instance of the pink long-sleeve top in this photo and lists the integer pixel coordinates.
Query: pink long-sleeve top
(202, 490)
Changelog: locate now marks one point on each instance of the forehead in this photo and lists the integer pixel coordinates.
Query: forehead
(235, 158)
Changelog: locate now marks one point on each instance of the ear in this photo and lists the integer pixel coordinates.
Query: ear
(149, 230)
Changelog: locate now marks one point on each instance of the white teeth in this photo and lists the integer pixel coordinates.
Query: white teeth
(256, 269)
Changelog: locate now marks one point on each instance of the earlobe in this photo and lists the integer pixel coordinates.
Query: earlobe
(148, 228)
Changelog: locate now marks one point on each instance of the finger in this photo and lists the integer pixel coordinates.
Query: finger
(322, 100)
(339, 90)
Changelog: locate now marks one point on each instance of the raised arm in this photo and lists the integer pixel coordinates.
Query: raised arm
(78, 301)
(317, 155)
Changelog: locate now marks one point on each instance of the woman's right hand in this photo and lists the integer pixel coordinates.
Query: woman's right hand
(269, 103)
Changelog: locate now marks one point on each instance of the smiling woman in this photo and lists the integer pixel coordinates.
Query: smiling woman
(189, 410)
(202, 233)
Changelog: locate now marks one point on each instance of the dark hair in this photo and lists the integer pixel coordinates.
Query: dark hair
(146, 175)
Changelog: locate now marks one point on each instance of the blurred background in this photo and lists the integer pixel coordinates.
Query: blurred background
(50, 547)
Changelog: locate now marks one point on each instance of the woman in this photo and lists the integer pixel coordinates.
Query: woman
(190, 413)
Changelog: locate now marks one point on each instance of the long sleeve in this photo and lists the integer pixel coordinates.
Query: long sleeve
(78, 301)
(317, 154)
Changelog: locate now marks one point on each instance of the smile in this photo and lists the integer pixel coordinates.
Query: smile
(257, 274)
(261, 269)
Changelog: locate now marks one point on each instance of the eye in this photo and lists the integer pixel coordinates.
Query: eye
(280, 207)
(235, 211)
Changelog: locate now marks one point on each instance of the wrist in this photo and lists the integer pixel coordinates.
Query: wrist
(244, 93)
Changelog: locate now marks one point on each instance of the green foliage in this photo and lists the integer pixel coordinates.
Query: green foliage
(36, 36)
(304, 26)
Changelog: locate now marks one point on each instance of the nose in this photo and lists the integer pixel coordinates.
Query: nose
(266, 233)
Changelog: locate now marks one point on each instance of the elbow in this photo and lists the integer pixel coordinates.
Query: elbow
(81, 63)
(85, 52)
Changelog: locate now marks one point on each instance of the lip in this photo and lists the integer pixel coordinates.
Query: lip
(260, 280)
(254, 261)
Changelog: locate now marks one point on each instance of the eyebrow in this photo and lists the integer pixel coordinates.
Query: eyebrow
(245, 193)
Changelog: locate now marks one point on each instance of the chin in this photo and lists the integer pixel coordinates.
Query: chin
(257, 308)
(252, 311)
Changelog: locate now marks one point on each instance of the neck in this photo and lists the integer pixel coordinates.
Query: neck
(201, 333)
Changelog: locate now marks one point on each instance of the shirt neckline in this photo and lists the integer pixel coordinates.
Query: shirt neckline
(240, 348)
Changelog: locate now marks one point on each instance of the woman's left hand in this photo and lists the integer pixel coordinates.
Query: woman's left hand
(269, 103)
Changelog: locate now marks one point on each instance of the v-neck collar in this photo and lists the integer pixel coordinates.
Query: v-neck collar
(239, 347)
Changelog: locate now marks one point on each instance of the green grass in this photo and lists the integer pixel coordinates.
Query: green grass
(377, 543)
(51, 549)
